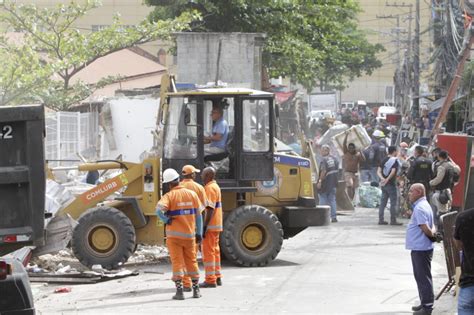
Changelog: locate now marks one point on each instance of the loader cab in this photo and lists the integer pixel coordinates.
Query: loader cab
(245, 150)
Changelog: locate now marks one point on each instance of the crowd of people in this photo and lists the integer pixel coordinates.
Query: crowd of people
(417, 183)
(391, 168)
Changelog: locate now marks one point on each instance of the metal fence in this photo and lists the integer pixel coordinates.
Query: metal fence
(451, 253)
(69, 133)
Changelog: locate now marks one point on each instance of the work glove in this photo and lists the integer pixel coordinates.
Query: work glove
(437, 237)
(198, 239)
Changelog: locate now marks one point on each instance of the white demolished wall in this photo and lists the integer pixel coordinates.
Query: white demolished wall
(128, 128)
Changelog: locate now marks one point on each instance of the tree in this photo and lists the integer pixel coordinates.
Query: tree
(312, 42)
(41, 65)
(16, 79)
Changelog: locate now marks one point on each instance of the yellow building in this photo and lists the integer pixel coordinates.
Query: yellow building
(379, 20)
(131, 12)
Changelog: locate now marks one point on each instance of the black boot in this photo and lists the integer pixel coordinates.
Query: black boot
(179, 290)
(219, 281)
(196, 292)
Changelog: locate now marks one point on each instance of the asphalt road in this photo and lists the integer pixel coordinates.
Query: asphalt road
(350, 267)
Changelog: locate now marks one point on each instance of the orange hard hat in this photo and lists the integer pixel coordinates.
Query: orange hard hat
(189, 169)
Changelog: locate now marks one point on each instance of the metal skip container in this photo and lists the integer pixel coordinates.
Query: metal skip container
(22, 177)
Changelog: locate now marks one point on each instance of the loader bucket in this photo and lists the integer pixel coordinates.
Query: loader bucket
(58, 234)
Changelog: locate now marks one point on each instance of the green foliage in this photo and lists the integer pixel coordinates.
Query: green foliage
(42, 65)
(468, 79)
(16, 79)
(312, 42)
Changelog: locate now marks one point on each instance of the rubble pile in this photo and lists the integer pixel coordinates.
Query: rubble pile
(148, 254)
(61, 262)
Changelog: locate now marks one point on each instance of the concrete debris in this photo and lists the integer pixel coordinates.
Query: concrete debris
(53, 263)
(59, 196)
(97, 268)
(148, 254)
(64, 261)
(64, 269)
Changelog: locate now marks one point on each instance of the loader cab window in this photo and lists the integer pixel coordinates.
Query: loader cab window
(256, 124)
(228, 112)
(181, 129)
(219, 124)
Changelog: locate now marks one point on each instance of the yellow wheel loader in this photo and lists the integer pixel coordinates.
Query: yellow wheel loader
(267, 193)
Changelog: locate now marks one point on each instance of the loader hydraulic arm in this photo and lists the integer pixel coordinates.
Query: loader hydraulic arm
(99, 193)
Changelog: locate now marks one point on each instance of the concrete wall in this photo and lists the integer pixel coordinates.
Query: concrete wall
(240, 61)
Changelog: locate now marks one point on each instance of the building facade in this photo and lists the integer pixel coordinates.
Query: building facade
(388, 23)
(131, 12)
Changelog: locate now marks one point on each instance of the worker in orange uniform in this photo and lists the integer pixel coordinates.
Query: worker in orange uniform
(188, 174)
(211, 254)
(188, 180)
(179, 209)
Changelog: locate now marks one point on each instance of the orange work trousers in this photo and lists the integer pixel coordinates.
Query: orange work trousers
(211, 256)
(183, 258)
(187, 282)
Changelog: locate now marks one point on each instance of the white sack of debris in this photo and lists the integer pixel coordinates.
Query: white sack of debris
(331, 132)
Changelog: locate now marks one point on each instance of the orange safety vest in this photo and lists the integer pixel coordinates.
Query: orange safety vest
(181, 204)
(213, 193)
(197, 188)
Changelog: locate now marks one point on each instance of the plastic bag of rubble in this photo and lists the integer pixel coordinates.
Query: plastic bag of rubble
(369, 196)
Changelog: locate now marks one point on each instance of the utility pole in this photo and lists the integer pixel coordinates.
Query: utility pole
(416, 64)
(406, 103)
(407, 92)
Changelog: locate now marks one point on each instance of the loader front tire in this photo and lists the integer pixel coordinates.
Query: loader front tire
(103, 236)
(252, 236)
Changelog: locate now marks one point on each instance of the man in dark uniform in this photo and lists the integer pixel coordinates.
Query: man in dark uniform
(327, 183)
(464, 240)
(420, 170)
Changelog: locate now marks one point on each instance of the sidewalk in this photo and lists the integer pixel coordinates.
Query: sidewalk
(446, 305)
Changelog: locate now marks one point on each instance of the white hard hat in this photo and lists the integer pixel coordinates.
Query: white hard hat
(378, 134)
(170, 175)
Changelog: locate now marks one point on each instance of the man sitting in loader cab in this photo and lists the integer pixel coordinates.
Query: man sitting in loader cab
(216, 143)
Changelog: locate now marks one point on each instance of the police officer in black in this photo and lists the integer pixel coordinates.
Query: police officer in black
(420, 170)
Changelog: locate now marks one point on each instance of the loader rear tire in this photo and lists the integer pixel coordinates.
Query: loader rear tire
(104, 236)
(252, 236)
